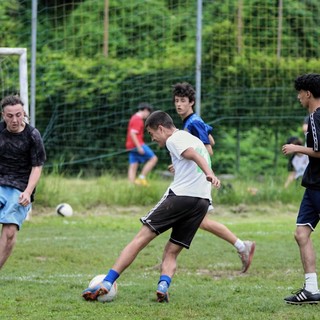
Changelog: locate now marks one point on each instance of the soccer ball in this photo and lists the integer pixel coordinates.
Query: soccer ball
(64, 210)
(106, 297)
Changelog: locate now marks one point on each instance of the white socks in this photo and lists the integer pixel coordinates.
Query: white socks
(311, 282)
(239, 245)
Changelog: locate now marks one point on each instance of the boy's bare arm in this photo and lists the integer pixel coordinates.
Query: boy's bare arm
(191, 154)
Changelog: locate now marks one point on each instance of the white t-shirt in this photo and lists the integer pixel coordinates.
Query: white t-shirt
(189, 179)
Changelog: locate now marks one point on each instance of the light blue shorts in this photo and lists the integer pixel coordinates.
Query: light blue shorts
(11, 212)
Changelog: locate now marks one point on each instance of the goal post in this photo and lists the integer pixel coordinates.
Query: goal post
(23, 72)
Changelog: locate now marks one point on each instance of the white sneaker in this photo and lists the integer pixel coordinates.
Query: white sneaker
(247, 255)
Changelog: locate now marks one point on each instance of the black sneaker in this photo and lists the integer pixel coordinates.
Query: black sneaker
(303, 296)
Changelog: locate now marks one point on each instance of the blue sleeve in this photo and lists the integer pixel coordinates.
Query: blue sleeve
(199, 130)
(209, 128)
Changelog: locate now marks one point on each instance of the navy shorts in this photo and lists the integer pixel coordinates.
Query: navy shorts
(181, 213)
(309, 212)
(136, 157)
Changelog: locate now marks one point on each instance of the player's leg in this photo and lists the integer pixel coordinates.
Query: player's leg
(168, 269)
(290, 178)
(126, 257)
(149, 165)
(150, 160)
(133, 164)
(218, 229)
(245, 249)
(307, 254)
(307, 220)
(169, 259)
(130, 252)
(12, 215)
(132, 171)
(189, 213)
(7, 242)
(309, 294)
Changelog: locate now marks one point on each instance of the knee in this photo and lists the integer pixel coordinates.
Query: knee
(204, 224)
(301, 237)
(9, 234)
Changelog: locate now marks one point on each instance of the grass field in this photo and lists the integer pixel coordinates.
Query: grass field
(55, 258)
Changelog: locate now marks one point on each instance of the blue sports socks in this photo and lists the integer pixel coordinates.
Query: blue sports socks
(112, 276)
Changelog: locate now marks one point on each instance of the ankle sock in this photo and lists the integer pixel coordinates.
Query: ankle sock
(239, 244)
(311, 282)
(165, 278)
(164, 283)
(112, 276)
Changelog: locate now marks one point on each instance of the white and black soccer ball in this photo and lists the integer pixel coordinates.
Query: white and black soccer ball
(111, 295)
(64, 210)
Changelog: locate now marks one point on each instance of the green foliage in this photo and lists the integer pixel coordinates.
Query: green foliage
(250, 152)
(9, 12)
(84, 98)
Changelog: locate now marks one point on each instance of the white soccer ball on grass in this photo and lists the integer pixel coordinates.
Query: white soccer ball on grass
(64, 210)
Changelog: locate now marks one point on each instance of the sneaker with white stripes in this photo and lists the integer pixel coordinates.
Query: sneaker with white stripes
(303, 296)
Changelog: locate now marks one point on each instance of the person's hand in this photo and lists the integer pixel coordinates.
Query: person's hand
(171, 168)
(140, 150)
(24, 198)
(214, 180)
(288, 149)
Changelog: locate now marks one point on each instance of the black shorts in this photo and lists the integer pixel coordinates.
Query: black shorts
(181, 213)
(309, 212)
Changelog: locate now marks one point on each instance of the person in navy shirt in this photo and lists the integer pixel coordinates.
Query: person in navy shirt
(308, 88)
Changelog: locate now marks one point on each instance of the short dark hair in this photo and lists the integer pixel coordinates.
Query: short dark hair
(309, 82)
(158, 118)
(10, 101)
(145, 105)
(184, 89)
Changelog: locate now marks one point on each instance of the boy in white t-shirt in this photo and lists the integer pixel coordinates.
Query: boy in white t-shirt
(181, 209)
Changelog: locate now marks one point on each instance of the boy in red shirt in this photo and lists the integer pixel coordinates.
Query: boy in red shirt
(139, 152)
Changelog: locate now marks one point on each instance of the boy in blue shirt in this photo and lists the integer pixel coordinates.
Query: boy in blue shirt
(184, 99)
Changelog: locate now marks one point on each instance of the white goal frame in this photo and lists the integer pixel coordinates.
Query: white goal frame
(23, 72)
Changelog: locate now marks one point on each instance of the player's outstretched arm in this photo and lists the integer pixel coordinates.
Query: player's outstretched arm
(191, 154)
